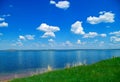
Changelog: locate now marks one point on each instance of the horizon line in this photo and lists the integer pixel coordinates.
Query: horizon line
(55, 49)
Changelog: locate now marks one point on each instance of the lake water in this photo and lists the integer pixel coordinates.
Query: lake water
(30, 61)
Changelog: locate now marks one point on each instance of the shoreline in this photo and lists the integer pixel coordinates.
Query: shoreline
(9, 76)
(31, 72)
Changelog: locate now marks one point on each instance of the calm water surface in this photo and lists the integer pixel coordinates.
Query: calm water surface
(19, 61)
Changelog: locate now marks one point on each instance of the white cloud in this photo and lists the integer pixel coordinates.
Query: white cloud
(105, 17)
(116, 33)
(22, 37)
(30, 37)
(103, 35)
(77, 28)
(2, 19)
(26, 37)
(51, 40)
(115, 39)
(3, 24)
(90, 35)
(19, 43)
(79, 42)
(48, 34)
(68, 43)
(61, 4)
(93, 35)
(102, 12)
(49, 30)
(46, 28)
(52, 2)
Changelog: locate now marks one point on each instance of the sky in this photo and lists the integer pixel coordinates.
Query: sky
(59, 24)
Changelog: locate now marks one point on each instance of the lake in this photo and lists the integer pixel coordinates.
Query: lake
(20, 63)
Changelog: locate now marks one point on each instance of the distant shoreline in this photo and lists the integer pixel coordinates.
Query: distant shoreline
(51, 49)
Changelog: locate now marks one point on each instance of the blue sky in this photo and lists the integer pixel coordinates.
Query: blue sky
(59, 24)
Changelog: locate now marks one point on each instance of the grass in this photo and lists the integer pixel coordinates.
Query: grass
(103, 71)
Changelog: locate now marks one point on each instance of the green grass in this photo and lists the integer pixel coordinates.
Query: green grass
(103, 71)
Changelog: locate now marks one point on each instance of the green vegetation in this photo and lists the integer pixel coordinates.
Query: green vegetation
(103, 71)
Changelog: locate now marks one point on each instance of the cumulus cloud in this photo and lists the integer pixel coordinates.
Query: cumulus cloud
(3, 24)
(77, 28)
(90, 35)
(50, 40)
(61, 4)
(49, 30)
(2, 19)
(103, 35)
(93, 35)
(79, 42)
(116, 33)
(68, 43)
(26, 37)
(30, 37)
(46, 28)
(115, 39)
(19, 43)
(48, 34)
(52, 2)
(22, 37)
(105, 17)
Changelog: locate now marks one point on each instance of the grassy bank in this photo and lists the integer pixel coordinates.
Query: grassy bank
(103, 71)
